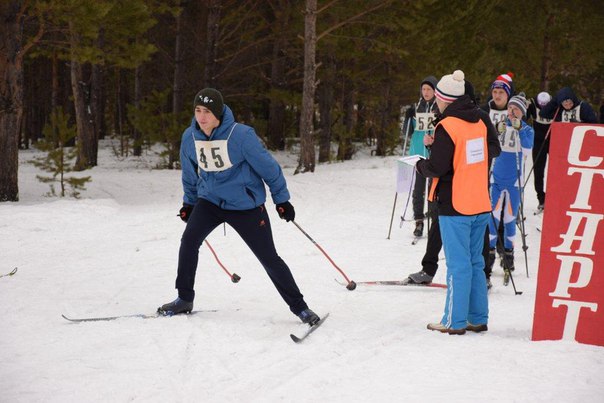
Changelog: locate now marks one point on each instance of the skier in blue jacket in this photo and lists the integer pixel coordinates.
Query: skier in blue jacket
(224, 169)
(516, 138)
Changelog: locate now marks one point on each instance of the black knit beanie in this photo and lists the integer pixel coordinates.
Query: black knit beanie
(211, 99)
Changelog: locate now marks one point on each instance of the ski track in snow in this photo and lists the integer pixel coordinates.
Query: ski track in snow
(115, 252)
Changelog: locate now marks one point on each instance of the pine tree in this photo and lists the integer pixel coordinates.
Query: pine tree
(58, 158)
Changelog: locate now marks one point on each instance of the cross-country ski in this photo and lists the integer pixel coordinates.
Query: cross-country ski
(11, 273)
(135, 315)
(301, 337)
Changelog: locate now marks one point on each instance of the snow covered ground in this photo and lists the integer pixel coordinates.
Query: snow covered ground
(115, 252)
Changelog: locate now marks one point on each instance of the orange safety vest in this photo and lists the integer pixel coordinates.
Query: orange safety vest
(469, 193)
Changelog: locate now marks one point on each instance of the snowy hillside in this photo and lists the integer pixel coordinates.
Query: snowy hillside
(115, 252)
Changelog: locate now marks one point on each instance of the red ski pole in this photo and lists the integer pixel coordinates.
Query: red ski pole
(351, 284)
(234, 277)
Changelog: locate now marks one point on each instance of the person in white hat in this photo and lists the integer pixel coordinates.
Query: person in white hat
(459, 167)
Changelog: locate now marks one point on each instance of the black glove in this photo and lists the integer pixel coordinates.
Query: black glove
(286, 211)
(185, 212)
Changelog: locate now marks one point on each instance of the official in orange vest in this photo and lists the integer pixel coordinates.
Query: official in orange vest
(459, 166)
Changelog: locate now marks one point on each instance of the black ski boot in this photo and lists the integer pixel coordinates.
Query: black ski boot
(421, 277)
(309, 317)
(175, 307)
(419, 228)
(491, 261)
(508, 259)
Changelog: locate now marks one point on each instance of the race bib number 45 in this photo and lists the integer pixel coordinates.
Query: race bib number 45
(213, 156)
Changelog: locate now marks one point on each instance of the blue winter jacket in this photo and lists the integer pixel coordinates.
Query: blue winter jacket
(507, 168)
(240, 187)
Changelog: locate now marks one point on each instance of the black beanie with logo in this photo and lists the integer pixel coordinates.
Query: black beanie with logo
(211, 99)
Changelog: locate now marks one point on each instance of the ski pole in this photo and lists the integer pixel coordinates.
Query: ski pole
(500, 242)
(392, 216)
(540, 149)
(351, 284)
(234, 277)
(521, 207)
(513, 284)
(408, 198)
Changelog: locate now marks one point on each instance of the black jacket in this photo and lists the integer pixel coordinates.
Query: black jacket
(554, 107)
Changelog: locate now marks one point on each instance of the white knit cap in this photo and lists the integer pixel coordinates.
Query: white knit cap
(451, 87)
(543, 98)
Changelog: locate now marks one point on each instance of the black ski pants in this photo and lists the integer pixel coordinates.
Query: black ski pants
(540, 153)
(255, 229)
(419, 195)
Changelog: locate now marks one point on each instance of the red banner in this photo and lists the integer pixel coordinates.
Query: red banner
(569, 304)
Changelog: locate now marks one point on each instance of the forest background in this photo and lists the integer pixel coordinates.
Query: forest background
(323, 76)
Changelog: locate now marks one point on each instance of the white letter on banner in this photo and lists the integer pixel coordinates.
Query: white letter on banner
(566, 270)
(588, 237)
(572, 315)
(584, 190)
(576, 142)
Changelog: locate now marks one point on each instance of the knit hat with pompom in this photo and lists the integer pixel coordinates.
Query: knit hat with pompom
(451, 86)
(519, 101)
(543, 98)
(504, 81)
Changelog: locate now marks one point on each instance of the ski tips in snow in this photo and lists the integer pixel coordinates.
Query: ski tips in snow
(302, 337)
(396, 283)
(11, 273)
(136, 315)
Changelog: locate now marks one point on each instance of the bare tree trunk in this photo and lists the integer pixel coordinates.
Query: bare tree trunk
(276, 114)
(546, 56)
(137, 148)
(380, 149)
(209, 72)
(307, 147)
(86, 139)
(345, 148)
(120, 112)
(326, 91)
(97, 98)
(11, 96)
(177, 87)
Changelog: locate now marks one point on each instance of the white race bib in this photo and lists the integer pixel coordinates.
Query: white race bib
(213, 156)
(574, 115)
(498, 116)
(541, 120)
(509, 140)
(424, 121)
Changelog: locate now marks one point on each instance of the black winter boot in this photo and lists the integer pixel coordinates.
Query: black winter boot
(491, 261)
(175, 307)
(508, 259)
(309, 317)
(419, 228)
